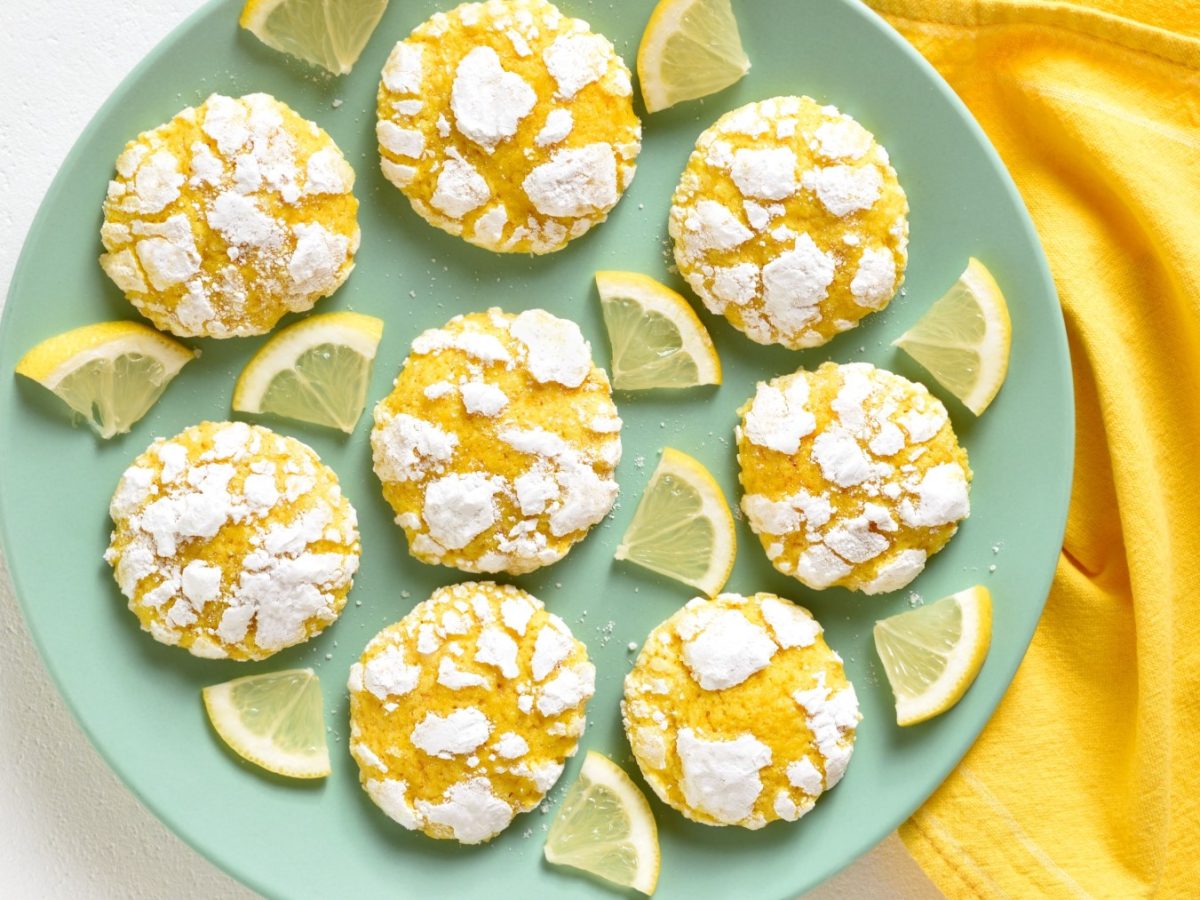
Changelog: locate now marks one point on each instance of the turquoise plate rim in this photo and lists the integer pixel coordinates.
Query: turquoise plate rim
(871, 833)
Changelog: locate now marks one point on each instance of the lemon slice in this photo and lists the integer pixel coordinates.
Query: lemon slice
(964, 338)
(327, 33)
(110, 373)
(605, 827)
(682, 527)
(316, 371)
(932, 653)
(690, 49)
(275, 720)
(657, 339)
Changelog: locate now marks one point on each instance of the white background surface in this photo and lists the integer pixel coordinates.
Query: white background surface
(68, 827)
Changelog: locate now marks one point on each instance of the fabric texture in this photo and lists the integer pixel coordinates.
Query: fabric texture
(1087, 781)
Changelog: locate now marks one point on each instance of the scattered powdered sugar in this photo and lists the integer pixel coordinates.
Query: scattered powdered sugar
(458, 733)
(488, 102)
(470, 810)
(574, 182)
(793, 626)
(779, 419)
(845, 189)
(576, 60)
(389, 674)
(721, 778)
(832, 721)
(458, 508)
(941, 498)
(766, 174)
(556, 349)
(559, 123)
(554, 644)
(875, 280)
(460, 188)
(727, 650)
(406, 448)
(482, 398)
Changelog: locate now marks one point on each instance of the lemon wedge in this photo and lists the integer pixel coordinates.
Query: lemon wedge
(931, 654)
(327, 33)
(275, 720)
(682, 527)
(690, 49)
(110, 373)
(657, 339)
(316, 371)
(964, 339)
(605, 827)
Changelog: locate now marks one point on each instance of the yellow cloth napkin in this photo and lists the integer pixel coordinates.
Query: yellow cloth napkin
(1087, 781)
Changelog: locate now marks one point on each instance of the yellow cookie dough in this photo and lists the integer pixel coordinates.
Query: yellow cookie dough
(789, 221)
(498, 443)
(463, 712)
(232, 541)
(852, 476)
(229, 216)
(738, 712)
(509, 124)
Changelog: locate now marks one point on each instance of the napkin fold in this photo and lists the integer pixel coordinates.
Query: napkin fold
(1087, 781)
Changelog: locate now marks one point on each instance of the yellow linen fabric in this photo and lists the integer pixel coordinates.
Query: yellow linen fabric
(1087, 781)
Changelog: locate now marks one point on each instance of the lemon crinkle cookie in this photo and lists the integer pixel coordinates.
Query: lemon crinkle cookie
(790, 222)
(509, 124)
(463, 713)
(230, 215)
(852, 475)
(738, 712)
(498, 443)
(232, 541)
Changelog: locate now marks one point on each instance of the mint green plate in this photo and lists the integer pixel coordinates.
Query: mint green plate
(139, 701)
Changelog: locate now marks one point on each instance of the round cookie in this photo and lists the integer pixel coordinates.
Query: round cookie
(232, 541)
(230, 215)
(509, 124)
(852, 476)
(463, 712)
(738, 712)
(498, 443)
(789, 221)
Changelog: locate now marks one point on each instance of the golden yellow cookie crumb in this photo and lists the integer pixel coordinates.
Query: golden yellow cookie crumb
(230, 540)
(738, 712)
(509, 124)
(852, 475)
(790, 222)
(229, 216)
(463, 712)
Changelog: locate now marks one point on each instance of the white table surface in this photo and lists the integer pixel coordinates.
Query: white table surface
(68, 827)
